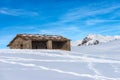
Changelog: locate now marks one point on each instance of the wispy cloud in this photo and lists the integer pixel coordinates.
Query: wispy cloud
(77, 20)
(97, 21)
(112, 29)
(60, 30)
(71, 31)
(17, 12)
(20, 28)
(87, 11)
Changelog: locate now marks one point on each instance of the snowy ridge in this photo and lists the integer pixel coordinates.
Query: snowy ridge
(94, 39)
(76, 43)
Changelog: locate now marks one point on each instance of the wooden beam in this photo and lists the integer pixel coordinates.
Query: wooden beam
(49, 44)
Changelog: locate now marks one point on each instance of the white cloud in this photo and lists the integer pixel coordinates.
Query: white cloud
(17, 12)
(72, 32)
(111, 30)
(60, 30)
(46, 31)
(93, 22)
(82, 12)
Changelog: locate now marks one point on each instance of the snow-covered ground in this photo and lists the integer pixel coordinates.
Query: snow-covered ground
(96, 62)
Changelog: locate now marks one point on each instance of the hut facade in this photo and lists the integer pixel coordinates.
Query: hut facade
(37, 41)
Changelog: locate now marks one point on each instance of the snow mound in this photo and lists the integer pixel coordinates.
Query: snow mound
(94, 39)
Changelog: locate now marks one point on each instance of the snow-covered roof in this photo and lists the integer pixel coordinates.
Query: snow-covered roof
(41, 37)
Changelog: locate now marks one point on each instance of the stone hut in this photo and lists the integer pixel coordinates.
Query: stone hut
(37, 41)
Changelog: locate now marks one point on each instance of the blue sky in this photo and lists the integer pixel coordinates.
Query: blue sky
(73, 19)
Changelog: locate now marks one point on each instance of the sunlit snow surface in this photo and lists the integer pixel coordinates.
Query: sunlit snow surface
(100, 62)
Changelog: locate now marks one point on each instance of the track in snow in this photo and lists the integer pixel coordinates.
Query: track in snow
(48, 61)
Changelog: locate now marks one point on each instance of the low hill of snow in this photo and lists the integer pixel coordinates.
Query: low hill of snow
(94, 39)
(100, 62)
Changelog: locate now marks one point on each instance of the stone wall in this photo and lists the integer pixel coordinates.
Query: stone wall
(19, 43)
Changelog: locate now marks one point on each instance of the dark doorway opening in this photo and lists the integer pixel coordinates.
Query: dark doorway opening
(39, 45)
(21, 46)
(58, 44)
